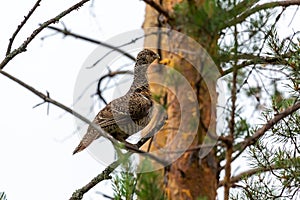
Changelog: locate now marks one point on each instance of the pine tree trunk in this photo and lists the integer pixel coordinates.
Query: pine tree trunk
(190, 176)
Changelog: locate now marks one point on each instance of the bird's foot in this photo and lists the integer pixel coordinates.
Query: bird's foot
(131, 146)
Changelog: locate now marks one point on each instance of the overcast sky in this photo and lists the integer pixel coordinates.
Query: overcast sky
(36, 148)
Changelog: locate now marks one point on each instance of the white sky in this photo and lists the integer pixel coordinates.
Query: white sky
(36, 159)
(36, 149)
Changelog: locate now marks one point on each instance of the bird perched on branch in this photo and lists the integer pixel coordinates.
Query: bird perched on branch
(128, 114)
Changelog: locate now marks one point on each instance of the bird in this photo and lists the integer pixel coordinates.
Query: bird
(127, 114)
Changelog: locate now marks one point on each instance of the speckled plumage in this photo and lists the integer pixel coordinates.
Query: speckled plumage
(128, 114)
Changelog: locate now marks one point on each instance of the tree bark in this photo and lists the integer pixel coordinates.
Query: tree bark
(190, 176)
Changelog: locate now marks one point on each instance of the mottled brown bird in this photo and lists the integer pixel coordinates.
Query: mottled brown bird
(128, 114)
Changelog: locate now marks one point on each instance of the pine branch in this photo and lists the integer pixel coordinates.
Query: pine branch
(253, 60)
(69, 33)
(260, 132)
(23, 46)
(257, 8)
(2, 196)
(248, 173)
(254, 171)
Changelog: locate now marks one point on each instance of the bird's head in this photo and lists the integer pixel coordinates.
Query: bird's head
(146, 57)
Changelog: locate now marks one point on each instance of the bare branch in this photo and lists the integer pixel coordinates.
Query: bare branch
(11, 40)
(46, 98)
(154, 126)
(78, 194)
(69, 33)
(23, 46)
(158, 8)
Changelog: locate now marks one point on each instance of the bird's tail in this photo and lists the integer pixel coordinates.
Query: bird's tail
(87, 139)
(80, 147)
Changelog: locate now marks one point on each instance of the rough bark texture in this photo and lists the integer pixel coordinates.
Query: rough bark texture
(189, 177)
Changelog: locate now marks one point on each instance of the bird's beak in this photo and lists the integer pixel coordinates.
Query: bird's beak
(157, 56)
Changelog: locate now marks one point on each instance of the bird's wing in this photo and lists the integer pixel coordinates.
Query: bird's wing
(140, 105)
(111, 115)
(124, 110)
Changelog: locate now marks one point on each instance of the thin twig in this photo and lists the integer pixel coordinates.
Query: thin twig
(104, 195)
(23, 46)
(229, 143)
(120, 46)
(109, 74)
(69, 33)
(11, 40)
(48, 104)
(261, 48)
